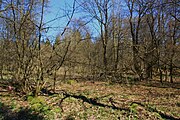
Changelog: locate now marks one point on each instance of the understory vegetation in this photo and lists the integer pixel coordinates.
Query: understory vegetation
(95, 100)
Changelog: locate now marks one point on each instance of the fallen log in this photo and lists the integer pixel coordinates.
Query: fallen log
(161, 113)
(92, 101)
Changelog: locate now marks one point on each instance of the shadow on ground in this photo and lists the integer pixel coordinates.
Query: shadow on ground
(94, 102)
(6, 113)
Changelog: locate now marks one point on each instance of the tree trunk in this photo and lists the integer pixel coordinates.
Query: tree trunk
(1, 72)
(161, 80)
(171, 72)
(54, 83)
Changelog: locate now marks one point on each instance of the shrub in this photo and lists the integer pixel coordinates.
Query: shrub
(71, 82)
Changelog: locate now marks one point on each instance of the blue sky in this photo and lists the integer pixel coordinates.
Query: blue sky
(57, 8)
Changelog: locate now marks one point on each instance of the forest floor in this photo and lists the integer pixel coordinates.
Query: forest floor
(96, 101)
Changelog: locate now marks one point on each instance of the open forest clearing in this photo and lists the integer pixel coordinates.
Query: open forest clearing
(95, 101)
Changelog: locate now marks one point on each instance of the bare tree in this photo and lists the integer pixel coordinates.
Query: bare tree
(99, 9)
(137, 10)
